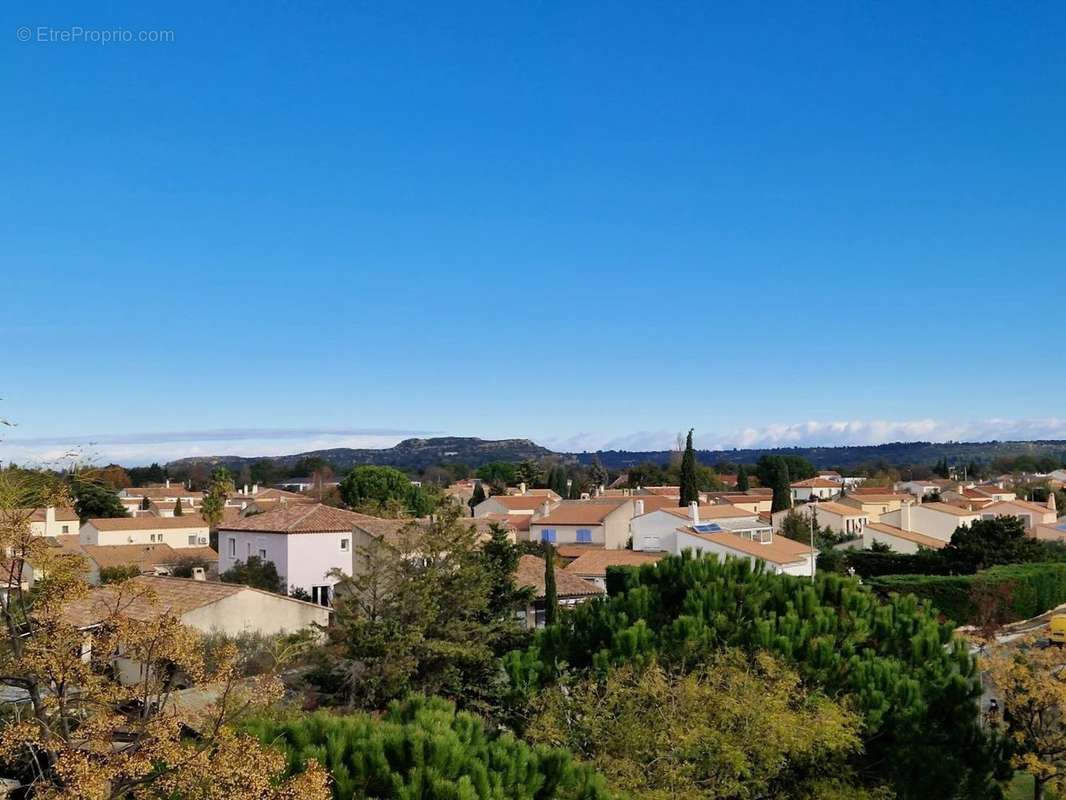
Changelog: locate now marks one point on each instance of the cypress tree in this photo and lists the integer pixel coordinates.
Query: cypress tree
(557, 480)
(551, 594)
(477, 497)
(145, 503)
(782, 490)
(178, 510)
(690, 491)
(743, 484)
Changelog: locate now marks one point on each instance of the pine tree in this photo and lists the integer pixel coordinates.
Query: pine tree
(551, 594)
(178, 512)
(743, 484)
(690, 491)
(145, 503)
(782, 489)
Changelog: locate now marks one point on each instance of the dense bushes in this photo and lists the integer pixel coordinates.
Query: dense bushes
(1015, 591)
(422, 749)
(914, 684)
(872, 564)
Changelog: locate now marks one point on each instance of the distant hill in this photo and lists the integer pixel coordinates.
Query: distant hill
(410, 454)
(415, 454)
(893, 454)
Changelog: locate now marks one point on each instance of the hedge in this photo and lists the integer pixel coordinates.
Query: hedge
(1015, 591)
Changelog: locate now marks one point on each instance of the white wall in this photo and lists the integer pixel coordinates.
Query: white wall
(905, 546)
(686, 541)
(175, 537)
(821, 492)
(938, 524)
(661, 525)
(302, 559)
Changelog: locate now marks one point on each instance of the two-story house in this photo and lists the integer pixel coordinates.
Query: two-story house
(305, 542)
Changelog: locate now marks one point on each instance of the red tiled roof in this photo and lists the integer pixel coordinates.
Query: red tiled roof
(530, 572)
(299, 518)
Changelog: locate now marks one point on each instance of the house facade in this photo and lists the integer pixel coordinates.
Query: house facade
(602, 522)
(779, 555)
(654, 531)
(189, 530)
(820, 488)
(305, 542)
(937, 520)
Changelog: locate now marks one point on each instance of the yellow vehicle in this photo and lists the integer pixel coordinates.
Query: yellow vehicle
(1057, 629)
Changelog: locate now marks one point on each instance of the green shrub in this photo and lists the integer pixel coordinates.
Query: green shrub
(422, 749)
(1027, 590)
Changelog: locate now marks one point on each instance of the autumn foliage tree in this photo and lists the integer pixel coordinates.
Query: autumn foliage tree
(80, 734)
(1032, 688)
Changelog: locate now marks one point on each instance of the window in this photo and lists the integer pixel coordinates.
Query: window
(547, 534)
(320, 595)
(232, 547)
(262, 555)
(584, 535)
(344, 545)
(192, 540)
(66, 529)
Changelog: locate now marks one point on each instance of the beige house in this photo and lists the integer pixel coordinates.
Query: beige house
(208, 607)
(603, 522)
(514, 504)
(570, 589)
(875, 504)
(838, 517)
(1031, 514)
(189, 530)
(936, 520)
(149, 559)
(901, 541)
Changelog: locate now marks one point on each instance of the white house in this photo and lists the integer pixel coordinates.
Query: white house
(779, 554)
(189, 530)
(654, 531)
(838, 517)
(937, 520)
(53, 521)
(304, 541)
(899, 540)
(821, 488)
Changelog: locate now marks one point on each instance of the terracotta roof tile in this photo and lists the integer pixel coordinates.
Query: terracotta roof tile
(581, 512)
(594, 563)
(779, 551)
(147, 523)
(298, 518)
(530, 572)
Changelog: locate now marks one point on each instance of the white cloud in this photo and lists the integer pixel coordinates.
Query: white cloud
(828, 434)
(144, 448)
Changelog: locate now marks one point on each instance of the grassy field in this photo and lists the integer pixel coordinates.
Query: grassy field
(1021, 788)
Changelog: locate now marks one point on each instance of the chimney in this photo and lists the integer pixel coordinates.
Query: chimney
(245, 489)
(694, 512)
(905, 516)
(198, 574)
(1051, 504)
(168, 483)
(522, 487)
(50, 518)
(255, 488)
(545, 508)
(602, 488)
(638, 508)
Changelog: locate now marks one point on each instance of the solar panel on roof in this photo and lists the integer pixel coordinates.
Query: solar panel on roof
(709, 527)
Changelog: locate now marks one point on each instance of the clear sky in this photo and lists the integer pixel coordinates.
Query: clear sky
(298, 224)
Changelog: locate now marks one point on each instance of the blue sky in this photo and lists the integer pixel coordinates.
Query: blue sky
(299, 224)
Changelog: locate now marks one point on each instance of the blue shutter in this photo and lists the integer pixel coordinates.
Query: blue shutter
(547, 535)
(584, 535)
